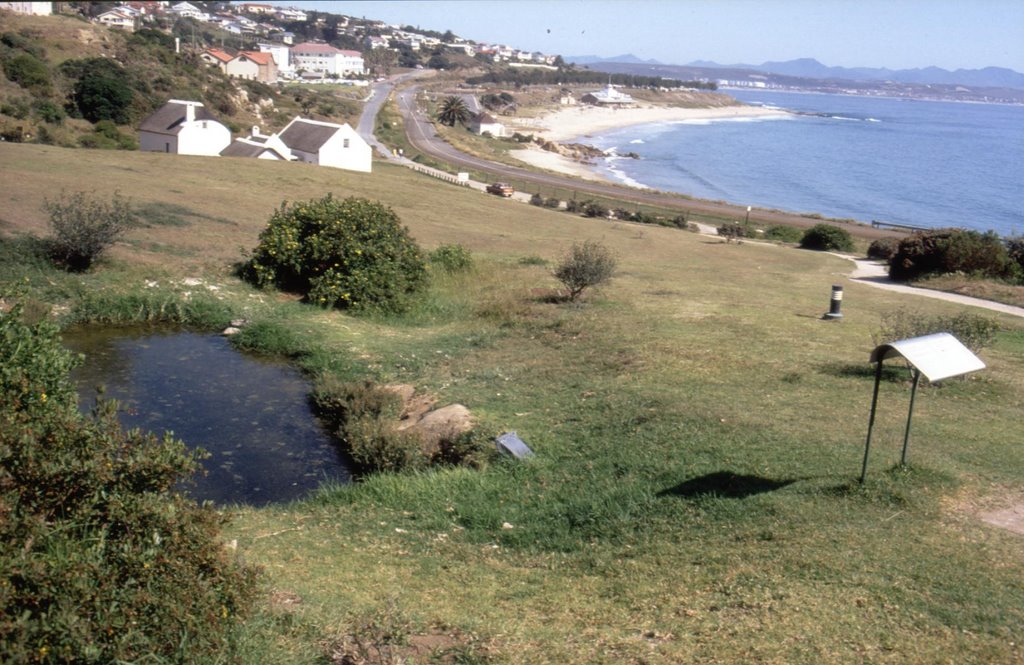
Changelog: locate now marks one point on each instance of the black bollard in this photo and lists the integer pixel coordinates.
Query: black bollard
(835, 305)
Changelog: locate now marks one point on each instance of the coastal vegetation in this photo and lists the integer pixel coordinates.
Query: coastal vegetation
(697, 432)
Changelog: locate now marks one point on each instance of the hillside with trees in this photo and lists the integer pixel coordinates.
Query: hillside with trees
(72, 83)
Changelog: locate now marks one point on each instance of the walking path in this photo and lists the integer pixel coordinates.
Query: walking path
(876, 274)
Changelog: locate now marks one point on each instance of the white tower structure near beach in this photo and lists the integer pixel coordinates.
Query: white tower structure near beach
(608, 96)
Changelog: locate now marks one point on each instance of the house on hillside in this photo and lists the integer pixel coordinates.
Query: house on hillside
(484, 122)
(187, 10)
(258, 146)
(184, 128)
(253, 66)
(327, 144)
(119, 18)
(326, 59)
(217, 58)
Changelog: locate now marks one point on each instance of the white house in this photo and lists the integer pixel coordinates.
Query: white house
(185, 128)
(217, 58)
(258, 146)
(485, 122)
(117, 18)
(327, 144)
(326, 59)
(187, 10)
(252, 65)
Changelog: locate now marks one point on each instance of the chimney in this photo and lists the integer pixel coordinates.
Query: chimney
(190, 111)
(255, 130)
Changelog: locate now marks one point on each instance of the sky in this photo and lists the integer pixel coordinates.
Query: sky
(898, 34)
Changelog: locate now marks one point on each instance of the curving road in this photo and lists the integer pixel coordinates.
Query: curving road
(421, 134)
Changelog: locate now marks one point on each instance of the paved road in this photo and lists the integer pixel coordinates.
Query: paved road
(378, 96)
(424, 138)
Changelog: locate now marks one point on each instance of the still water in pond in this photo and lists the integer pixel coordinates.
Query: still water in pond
(252, 415)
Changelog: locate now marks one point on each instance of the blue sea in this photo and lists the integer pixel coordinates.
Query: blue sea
(922, 163)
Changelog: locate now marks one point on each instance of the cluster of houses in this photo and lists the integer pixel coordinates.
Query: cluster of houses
(277, 61)
(188, 128)
(131, 16)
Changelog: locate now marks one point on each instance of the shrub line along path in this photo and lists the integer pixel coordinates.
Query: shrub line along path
(876, 274)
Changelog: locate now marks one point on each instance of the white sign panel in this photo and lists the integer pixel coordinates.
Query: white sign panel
(939, 356)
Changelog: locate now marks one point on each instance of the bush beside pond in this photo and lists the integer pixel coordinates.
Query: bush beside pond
(102, 561)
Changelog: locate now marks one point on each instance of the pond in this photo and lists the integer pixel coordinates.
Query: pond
(251, 414)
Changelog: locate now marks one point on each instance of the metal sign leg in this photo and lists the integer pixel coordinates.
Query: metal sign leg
(910, 414)
(871, 421)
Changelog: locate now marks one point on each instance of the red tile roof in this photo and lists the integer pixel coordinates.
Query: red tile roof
(220, 55)
(258, 57)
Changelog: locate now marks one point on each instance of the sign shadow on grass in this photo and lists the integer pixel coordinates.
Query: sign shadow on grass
(725, 484)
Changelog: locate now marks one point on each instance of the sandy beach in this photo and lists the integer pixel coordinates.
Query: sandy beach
(577, 122)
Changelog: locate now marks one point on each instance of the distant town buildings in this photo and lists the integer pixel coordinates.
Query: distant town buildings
(327, 60)
(32, 8)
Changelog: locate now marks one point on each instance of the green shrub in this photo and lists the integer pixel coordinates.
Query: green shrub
(49, 112)
(783, 233)
(827, 238)
(100, 559)
(375, 445)
(365, 417)
(974, 331)
(84, 227)
(537, 200)
(594, 209)
(737, 230)
(585, 265)
(1015, 250)
(350, 253)
(883, 249)
(552, 202)
(27, 70)
(951, 250)
(451, 258)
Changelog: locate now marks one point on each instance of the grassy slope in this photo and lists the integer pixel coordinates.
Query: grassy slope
(703, 365)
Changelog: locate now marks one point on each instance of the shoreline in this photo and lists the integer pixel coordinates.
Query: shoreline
(571, 125)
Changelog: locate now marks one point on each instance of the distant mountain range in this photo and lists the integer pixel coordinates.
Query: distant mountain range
(989, 77)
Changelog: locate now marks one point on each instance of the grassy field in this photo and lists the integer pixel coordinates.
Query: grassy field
(698, 430)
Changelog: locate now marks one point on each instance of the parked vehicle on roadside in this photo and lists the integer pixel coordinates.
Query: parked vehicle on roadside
(500, 189)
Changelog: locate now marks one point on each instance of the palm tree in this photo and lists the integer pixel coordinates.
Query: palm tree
(453, 110)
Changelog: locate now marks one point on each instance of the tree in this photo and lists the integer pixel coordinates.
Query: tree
(102, 91)
(453, 110)
(585, 265)
(380, 61)
(347, 253)
(84, 227)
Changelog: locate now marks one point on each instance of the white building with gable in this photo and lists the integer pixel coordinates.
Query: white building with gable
(185, 128)
(327, 144)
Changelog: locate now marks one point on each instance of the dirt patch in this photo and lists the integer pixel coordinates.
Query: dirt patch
(436, 647)
(1010, 517)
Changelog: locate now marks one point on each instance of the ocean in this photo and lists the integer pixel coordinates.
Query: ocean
(922, 163)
